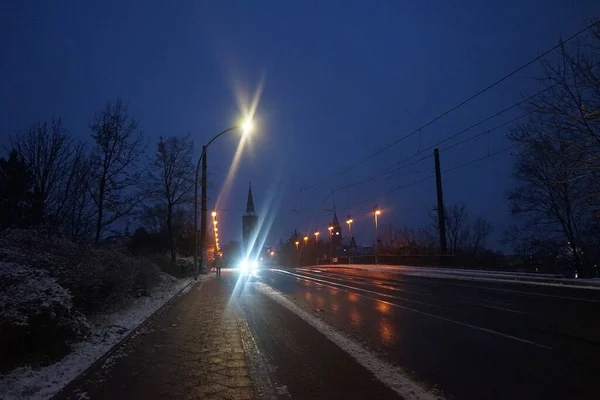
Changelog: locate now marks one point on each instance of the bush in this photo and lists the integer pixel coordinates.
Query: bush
(98, 278)
(37, 320)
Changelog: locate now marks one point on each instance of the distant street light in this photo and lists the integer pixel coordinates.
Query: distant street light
(376, 214)
(297, 243)
(316, 235)
(349, 221)
(330, 228)
(246, 128)
(305, 240)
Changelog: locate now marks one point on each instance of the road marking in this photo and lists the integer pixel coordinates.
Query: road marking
(502, 309)
(365, 281)
(391, 376)
(479, 328)
(440, 278)
(522, 292)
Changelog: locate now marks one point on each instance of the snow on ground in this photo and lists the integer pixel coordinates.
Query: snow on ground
(43, 383)
(393, 377)
(478, 275)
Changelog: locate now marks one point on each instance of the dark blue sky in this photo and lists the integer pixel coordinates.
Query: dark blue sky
(341, 80)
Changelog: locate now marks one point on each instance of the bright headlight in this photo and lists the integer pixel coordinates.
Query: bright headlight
(244, 266)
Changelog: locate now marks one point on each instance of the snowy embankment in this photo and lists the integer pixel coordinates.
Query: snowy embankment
(108, 330)
(477, 275)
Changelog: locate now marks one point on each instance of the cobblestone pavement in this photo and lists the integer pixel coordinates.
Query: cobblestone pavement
(198, 347)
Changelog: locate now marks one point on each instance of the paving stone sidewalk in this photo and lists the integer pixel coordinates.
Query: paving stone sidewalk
(197, 348)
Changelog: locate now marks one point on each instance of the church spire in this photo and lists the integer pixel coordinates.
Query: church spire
(250, 202)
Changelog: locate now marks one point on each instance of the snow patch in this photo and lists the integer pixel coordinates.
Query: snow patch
(392, 377)
(108, 330)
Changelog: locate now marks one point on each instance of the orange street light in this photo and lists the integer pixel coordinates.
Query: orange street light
(349, 221)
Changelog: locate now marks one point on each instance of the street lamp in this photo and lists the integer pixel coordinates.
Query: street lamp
(305, 240)
(297, 243)
(330, 228)
(316, 235)
(246, 127)
(376, 214)
(349, 221)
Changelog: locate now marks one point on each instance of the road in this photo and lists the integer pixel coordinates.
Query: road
(469, 340)
(278, 336)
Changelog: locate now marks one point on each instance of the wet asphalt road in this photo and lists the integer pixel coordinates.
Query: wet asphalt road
(469, 340)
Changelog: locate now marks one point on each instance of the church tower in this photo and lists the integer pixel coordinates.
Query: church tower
(249, 226)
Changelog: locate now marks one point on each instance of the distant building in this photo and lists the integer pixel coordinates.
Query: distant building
(249, 226)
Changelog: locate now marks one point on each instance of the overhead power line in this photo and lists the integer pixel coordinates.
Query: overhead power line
(454, 108)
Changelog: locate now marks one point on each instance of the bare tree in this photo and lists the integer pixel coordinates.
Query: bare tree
(115, 178)
(51, 157)
(457, 228)
(558, 163)
(79, 221)
(481, 230)
(171, 179)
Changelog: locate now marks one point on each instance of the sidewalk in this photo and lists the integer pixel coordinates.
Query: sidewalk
(194, 349)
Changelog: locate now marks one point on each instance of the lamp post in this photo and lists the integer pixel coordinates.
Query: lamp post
(376, 214)
(305, 240)
(246, 127)
(330, 228)
(349, 221)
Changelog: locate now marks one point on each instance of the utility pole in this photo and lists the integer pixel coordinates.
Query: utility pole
(203, 210)
(440, 202)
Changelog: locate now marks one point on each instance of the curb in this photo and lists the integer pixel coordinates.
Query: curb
(71, 385)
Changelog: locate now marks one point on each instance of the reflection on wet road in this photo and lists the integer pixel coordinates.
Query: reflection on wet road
(470, 340)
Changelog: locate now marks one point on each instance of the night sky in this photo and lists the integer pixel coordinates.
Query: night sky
(340, 79)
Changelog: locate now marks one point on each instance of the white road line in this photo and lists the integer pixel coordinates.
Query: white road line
(503, 309)
(479, 328)
(391, 376)
(522, 292)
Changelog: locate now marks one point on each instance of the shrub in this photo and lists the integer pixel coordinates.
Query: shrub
(37, 320)
(98, 278)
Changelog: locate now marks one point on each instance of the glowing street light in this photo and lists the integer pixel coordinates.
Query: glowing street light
(305, 239)
(376, 214)
(316, 235)
(330, 228)
(349, 221)
(297, 243)
(246, 127)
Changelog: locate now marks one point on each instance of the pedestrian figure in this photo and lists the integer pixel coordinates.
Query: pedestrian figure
(218, 265)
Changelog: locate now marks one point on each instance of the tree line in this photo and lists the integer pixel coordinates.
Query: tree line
(88, 189)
